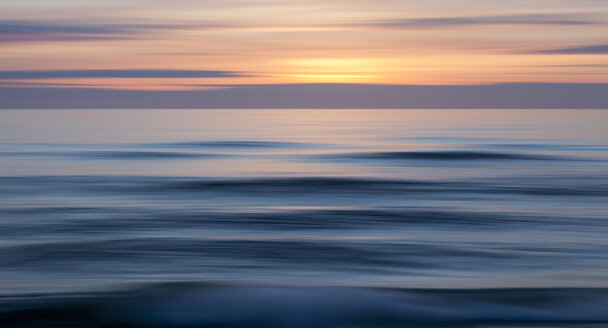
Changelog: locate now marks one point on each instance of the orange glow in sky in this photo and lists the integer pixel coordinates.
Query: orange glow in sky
(306, 41)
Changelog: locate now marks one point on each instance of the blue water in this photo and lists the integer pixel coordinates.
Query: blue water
(303, 218)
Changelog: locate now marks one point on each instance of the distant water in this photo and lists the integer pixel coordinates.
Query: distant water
(304, 218)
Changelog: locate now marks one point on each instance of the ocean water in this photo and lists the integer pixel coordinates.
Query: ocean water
(304, 218)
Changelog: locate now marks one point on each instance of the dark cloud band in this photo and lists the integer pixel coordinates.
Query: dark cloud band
(117, 73)
(486, 20)
(33, 31)
(590, 50)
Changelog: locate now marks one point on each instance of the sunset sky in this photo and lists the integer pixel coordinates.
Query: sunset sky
(215, 44)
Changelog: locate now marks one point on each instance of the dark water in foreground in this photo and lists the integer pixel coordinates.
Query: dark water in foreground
(304, 218)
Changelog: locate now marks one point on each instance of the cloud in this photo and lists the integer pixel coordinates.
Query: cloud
(590, 50)
(116, 73)
(12, 83)
(24, 31)
(31, 31)
(573, 65)
(25, 27)
(485, 20)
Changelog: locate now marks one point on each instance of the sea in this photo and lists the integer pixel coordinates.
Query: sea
(304, 218)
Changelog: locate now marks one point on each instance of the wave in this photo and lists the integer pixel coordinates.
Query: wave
(158, 254)
(568, 147)
(233, 144)
(142, 154)
(106, 220)
(113, 154)
(448, 155)
(370, 186)
(225, 305)
(205, 255)
(340, 255)
(298, 186)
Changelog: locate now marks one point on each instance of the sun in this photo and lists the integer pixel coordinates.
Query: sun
(333, 70)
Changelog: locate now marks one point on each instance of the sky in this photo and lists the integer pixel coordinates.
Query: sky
(211, 46)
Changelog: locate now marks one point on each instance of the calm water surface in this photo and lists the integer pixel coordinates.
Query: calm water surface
(303, 218)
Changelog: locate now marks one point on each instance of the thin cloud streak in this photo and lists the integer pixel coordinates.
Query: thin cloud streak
(25, 31)
(44, 31)
(117, 73)
(15, 38)
(582, 50)
(572, 65)
(31, 31)
(12, 83)
(439, 22)
(29, 28)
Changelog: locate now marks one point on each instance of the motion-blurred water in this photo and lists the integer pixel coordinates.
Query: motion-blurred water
(303, 218)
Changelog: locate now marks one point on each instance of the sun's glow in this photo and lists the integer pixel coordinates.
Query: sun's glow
(334, 70)
(333, 78)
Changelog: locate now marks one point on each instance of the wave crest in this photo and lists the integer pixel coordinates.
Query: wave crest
(217, 305)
